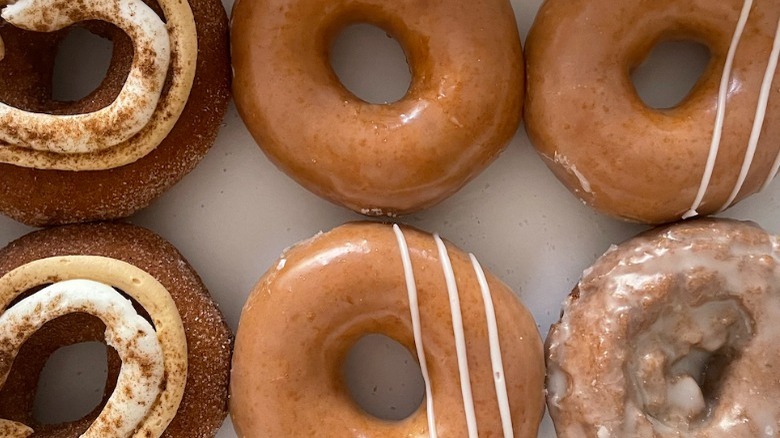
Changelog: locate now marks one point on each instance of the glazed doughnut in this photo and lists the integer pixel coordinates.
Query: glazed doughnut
(478, 348)
(463, 105)
(672, 333)
(583, 115)
(169, 366)
(151, 120)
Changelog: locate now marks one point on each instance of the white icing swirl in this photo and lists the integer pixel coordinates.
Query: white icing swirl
(142, 373)
(136, 102)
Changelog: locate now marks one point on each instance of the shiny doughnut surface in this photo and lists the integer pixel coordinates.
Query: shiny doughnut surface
(463, 105)
(672, 333)
(478, 348)
(585, 118)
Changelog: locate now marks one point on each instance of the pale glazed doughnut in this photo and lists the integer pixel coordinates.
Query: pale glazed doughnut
(148, 124)
(672, 333)
(718, 146)
(173, 344)
(326, 293)
(463, 105)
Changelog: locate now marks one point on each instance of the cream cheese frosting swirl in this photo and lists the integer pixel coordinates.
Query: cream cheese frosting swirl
(151, 381)
(142, 373)
(134, 105)
(138, 119)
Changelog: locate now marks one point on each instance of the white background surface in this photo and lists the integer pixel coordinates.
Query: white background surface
(236, 212)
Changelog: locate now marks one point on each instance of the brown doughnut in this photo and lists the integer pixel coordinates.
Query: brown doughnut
(463, 105)
(638, 163)
(672, 333)
(49, 187)
(324, 294)
(125, 257)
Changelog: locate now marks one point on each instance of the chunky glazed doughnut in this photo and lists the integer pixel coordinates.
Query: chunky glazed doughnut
(150, 121)
(168, 369)
(463, 105)
(718, 146)
(673, 333)
(477, 346)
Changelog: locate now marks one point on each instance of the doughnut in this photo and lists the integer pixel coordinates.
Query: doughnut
(672, 333)
(720, 144)
(150, 121)
(478, 348)
(463, 105)
(122, 285)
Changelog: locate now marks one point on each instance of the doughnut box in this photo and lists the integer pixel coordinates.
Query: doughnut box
(544, 219)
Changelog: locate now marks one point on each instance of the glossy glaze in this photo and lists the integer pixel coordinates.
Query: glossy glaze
(638, 163)
(463, 105)
(670, 334)
(326, 293)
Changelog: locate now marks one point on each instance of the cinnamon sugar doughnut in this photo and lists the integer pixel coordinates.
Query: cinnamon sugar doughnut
(672, 333)
(462, 107)
(478, 348)
(716, 147)
(151, 120)
(168, 369)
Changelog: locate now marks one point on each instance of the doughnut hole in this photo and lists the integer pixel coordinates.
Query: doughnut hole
(383, 378)
(679, 361)
(41, 377)
(72, 383)
(669, 73)
(81, 65)
(371, 64)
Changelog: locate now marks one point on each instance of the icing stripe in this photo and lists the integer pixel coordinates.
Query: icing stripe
(460, 337)
(495, 350)
(721, 110)
(758, 121)
(414, 309)
(775, 54)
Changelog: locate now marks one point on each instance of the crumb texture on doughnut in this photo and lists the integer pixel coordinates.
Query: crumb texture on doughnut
(463, 106)
(585, 118)
(672, 333)
(143, 267)
(48, 187)
(478, 348)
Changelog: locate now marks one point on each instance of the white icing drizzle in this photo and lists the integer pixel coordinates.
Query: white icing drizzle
(133, 107)
(758, 121)
(414, 309)
(495, 350)
(496, 360)
(721, 110)
(460, 337)
(775, 53)
(135, 340)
